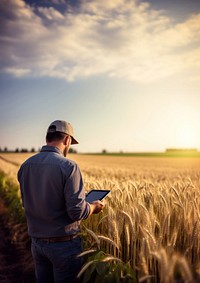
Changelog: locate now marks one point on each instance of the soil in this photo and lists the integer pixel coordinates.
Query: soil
(16, 263)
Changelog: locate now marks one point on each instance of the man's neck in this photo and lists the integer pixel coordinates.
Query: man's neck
(56, 144)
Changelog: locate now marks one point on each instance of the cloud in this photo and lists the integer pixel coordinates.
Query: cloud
(19, 73)
(122, 38)
(50, 13)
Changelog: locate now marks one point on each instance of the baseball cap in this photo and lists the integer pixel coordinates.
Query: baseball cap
(62, 127)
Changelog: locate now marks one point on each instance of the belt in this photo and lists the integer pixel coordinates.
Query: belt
(58, 239)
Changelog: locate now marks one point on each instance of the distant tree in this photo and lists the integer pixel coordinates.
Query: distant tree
(24, 150)
(32, 149)
(17, 149)
(5, 149)
(0, 149)
(181, 149)
(104, 151)
(71, 150)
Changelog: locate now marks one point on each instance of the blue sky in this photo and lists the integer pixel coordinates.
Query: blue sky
(126, 74)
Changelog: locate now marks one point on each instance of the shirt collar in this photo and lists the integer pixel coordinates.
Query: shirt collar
(47, 148)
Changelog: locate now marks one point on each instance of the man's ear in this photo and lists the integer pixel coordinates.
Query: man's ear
(67, 140)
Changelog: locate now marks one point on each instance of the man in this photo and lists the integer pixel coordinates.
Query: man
(54, 202)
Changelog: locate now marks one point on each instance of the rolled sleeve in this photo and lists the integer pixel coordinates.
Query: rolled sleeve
(77, 207)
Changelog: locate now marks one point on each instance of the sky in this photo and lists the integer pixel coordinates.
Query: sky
(124, 73)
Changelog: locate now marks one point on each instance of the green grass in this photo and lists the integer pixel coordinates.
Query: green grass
(9, 192)
(182, 154)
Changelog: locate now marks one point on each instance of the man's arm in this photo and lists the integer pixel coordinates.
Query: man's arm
(77, 207)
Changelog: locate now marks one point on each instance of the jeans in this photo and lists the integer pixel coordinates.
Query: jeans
(57, 262)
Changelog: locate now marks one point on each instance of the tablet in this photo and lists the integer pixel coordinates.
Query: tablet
(96, 195)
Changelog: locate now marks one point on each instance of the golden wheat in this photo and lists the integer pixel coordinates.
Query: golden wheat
(152, 215)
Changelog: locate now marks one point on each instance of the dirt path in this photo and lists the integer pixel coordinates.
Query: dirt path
(16, 265)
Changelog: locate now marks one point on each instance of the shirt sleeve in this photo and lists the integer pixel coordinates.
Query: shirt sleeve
(77, 207)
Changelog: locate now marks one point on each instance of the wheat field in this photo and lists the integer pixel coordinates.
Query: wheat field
(152, 216)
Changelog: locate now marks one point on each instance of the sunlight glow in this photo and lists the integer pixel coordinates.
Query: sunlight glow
(187, 136)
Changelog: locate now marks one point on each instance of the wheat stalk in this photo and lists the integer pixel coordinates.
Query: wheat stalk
(94, 236)
(86, 252)
(185, 270)
(108, 240)
(85, 267)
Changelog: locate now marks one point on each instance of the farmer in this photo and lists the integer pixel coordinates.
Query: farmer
(53, 198)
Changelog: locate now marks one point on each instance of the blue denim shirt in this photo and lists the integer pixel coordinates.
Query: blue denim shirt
(52, 194)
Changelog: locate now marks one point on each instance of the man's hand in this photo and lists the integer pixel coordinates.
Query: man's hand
(96, 207)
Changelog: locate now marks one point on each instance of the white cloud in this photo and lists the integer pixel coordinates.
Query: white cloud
(123, 38)
(50, 13)
(19, 73)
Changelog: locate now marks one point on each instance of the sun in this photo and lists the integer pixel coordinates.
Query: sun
(187, 136)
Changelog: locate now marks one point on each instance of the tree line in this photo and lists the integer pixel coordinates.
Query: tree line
(24, 150)
(5, 149)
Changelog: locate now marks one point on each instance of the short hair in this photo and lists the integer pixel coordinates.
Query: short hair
(56, 136)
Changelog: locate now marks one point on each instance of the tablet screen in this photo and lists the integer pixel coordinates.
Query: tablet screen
(96, 195)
